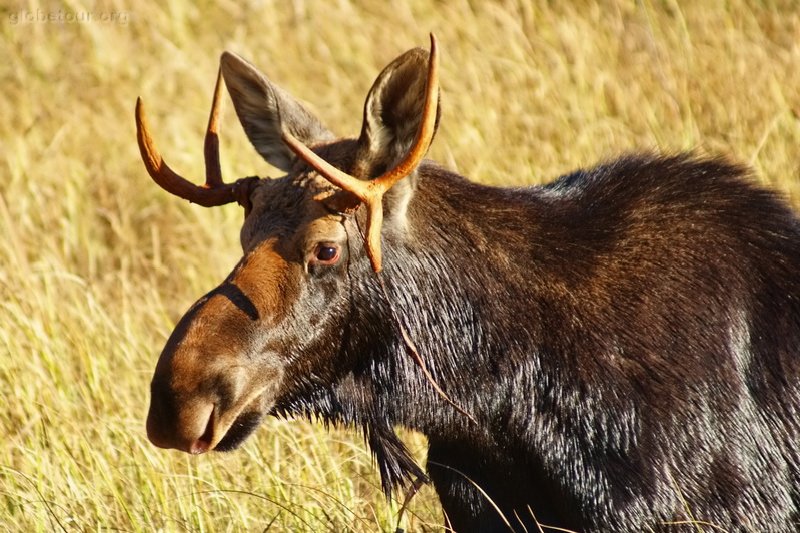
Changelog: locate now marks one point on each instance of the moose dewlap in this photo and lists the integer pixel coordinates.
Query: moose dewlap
(618, 350)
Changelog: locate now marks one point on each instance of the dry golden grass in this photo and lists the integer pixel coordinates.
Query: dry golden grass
(97, 263)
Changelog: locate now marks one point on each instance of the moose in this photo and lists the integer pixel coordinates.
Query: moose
(617, 350)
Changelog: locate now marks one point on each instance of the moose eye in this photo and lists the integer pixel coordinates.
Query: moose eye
(326, 254)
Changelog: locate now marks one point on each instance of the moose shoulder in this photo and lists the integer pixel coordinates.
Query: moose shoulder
(618, 350)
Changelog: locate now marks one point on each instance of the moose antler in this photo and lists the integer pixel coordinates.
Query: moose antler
(214, 192)
(371, 192)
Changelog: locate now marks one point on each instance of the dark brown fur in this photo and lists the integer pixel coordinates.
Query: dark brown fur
(626, 337)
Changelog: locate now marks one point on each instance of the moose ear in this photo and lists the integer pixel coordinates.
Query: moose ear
(393, 112)
(264, 108)
(392, 115)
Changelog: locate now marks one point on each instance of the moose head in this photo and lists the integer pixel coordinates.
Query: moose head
(273, 328)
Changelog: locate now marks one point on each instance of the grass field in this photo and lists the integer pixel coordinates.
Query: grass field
(97, 263)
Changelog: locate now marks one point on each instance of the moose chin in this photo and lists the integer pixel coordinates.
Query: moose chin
(617, 350)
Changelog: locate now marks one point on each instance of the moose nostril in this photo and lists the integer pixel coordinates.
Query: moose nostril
(203, 444)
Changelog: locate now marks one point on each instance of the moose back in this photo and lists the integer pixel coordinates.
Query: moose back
(618, 350)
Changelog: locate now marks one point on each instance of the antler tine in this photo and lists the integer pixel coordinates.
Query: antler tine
(211, 144)
(371, 192)
(341, 179)
(215, 192)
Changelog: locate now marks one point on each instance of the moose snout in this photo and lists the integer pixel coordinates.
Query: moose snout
(186, 426)
(214, 380)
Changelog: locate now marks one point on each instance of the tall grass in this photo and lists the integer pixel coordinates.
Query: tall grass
(97, 263)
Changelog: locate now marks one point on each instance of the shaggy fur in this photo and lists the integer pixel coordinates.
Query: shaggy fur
(626, 339)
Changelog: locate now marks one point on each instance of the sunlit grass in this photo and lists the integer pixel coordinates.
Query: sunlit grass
(97, 263)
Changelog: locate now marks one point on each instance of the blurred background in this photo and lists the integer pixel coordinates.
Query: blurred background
(97, 263)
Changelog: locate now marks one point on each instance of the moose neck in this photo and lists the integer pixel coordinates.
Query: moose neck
(450, 286)
(465, 284)
(454, 282)
(465, 281)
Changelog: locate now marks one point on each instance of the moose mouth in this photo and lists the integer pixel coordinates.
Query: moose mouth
(244, 425)
(233, 435)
